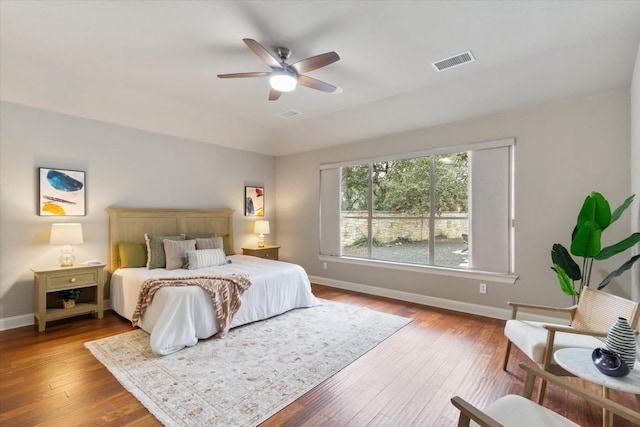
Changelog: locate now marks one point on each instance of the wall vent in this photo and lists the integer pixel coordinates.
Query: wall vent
(288, 114)
(454, 61)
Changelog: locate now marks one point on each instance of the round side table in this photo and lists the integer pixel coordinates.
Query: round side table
(578, 362)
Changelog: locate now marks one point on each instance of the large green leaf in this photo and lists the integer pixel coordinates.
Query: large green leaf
(624, 267)
(595, 208)
(560, 256)
(621, 246)
(566, 284)
(586, 241)
(616, 214)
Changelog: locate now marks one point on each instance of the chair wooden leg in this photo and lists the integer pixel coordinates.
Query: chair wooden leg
(506, 355)
(546, 363)
(543, 388)
(528, 385)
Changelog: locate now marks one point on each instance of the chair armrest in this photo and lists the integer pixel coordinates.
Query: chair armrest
(469, 412)
(570, 330)
(594, 398)
(516, 306)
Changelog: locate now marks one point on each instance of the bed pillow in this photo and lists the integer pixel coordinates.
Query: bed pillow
(205, 258)
(226, 241)
(155, 249)
(174, 251)
(132, 255)
(211, 243)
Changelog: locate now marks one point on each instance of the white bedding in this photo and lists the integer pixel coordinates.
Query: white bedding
(179, 316)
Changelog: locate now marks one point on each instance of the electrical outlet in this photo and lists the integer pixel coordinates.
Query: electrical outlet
(483, 288)
(325, 265)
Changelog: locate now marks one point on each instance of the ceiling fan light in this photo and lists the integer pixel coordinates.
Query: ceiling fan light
(283, 82)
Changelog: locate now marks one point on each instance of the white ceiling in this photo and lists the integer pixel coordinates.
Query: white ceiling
(152, 65)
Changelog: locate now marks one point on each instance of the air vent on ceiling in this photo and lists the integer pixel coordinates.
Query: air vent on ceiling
(454, 61)
(288, 114)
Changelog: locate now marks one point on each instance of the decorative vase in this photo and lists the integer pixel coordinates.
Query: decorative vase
(68, 303)
(622, 340)
(609, 363)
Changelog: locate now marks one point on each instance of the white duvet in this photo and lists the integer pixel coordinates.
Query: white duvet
(179, 316)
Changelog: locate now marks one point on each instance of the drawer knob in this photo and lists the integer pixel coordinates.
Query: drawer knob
(72, 280)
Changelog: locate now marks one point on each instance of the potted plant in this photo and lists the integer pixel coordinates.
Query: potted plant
(69, 297)
(594, 217)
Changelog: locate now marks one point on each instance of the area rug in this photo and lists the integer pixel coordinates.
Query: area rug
(251, 373)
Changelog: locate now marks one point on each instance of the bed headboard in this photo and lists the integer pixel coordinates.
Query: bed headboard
(130, 225)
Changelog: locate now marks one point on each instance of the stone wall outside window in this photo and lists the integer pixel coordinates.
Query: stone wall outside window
(393, 226)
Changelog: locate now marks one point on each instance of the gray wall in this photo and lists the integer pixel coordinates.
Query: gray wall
(563, 152)
(124, 168)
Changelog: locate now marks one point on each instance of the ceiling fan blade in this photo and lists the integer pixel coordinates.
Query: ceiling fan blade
(263, 53)
(274, 95)
(236, 75)
(315, 62)
(316, 84)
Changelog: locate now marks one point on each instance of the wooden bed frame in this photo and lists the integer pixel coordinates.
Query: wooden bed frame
(130, 225)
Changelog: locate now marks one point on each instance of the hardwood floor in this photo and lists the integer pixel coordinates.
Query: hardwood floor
(51, 379)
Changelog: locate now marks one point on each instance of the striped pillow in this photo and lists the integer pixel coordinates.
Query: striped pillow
(211, 243)
(205, 258)
(174, 251)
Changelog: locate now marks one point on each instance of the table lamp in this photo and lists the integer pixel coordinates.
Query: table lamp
(261, 228)
(66, 234)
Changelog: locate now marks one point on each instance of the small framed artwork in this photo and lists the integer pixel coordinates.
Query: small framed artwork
(253, 201)
(62, 192)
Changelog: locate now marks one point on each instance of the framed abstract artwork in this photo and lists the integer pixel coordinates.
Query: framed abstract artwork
(253, 201)
(62, 193)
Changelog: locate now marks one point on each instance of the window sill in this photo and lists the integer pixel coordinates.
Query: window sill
(466, 274)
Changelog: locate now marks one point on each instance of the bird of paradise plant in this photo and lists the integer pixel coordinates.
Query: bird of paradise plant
(594, 217)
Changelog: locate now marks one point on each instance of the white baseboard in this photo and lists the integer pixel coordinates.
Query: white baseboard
(28, 319)
(16, 321)
(463, 307)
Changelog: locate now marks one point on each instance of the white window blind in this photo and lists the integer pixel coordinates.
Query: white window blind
(330, 211)
(490, 225)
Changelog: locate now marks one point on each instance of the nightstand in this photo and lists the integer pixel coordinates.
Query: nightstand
(48, 281)
(267, 252)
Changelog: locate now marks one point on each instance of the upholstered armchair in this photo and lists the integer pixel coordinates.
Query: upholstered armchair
(587, 325)
(514, 410)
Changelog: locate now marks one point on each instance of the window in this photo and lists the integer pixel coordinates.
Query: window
(446, 208)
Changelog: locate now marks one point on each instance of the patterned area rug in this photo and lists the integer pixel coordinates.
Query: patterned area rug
(251, 373)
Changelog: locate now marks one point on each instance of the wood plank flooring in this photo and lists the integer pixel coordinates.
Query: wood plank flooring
(50, 379)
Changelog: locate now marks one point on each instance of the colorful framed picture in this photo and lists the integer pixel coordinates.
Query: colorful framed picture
(253, 201)
(62, 193)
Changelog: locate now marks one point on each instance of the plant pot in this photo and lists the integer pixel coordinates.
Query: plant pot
(68, 303)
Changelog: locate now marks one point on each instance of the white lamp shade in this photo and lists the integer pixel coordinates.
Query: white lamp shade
(261, 227)
(283, 81)
(66, 234)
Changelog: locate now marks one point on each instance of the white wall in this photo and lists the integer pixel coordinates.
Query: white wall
(635, 169)
(563, 152)
(124, 168)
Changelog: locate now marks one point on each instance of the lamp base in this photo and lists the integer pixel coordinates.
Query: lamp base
(261, 241)
(67, 258)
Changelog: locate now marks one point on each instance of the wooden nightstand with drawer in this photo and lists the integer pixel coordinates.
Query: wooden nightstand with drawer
(89, 279)
(267, 252)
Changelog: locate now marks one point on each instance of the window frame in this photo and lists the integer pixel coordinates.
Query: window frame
(508, 277)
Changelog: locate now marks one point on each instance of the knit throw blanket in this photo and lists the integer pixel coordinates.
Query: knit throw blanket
(224, 291)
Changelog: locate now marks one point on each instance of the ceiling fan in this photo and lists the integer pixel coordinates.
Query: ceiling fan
(284, 77)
